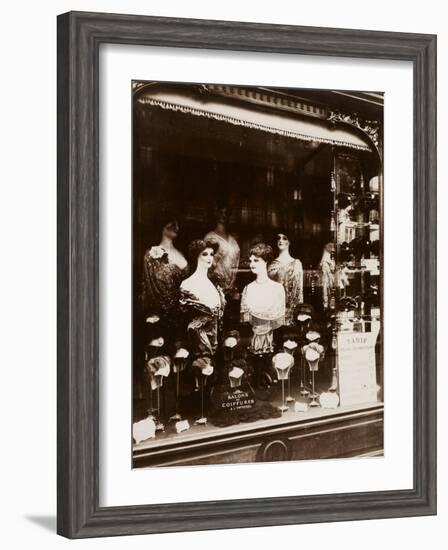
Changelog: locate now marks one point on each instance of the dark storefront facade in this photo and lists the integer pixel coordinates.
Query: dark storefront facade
(279, 162)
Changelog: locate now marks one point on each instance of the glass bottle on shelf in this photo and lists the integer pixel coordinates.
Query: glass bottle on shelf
(332, 222)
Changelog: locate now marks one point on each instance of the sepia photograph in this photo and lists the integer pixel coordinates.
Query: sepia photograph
(257, 242)
(246, 283)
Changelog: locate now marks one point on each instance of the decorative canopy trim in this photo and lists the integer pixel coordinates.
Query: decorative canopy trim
(372, 128)
(320, 135)
(265, 98)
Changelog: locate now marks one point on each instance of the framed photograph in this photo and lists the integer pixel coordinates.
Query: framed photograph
(246, 274)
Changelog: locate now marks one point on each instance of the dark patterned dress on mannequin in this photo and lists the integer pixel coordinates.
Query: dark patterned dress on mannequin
(290, 275)
(203, 322)
(160, 288)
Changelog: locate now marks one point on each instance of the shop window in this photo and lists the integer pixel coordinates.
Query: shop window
(257, 289)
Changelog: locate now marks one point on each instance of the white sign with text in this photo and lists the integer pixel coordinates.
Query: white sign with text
(357, 368)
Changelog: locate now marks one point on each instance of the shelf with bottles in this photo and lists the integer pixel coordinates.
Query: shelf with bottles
(357, 210)
(370, 266)
(361, 225)
(358, 249)
(348, 231)
(358, 313)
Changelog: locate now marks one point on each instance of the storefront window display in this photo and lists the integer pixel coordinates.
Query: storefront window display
(257, 273)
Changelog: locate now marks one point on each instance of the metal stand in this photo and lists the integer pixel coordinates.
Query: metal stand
(283, 363)
(159, 425)
(303, 390)
(177, 416)
(203, 420)
(283, 407)
(290, 351)
(303, 327)
(334, 379)
(313, 402)
(150, 410)
(289, 397)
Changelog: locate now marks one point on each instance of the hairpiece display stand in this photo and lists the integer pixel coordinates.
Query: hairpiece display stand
(291, 351)
(282, 363)
(151, 409)
(303, 322)
(177, 416)
(202, 421)
(283, 407)
(303, 389)
(334, 378)
(313, 365)
(159, 424)
(313, 395)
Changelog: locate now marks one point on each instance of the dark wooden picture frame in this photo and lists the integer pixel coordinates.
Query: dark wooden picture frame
(79, 38)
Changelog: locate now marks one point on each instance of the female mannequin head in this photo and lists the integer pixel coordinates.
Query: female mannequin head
(328, 249)
(282, 242)
(260, 256)
(221, 219)
(201, 254)
(169, 228)
(221, 215)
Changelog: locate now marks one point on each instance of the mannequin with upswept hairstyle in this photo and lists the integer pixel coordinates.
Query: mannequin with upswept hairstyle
(227, 256)
(202, 300)
(263, 301)
(289, 272)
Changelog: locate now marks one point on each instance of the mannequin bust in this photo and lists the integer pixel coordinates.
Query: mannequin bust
(289, 272)
(263, 301)
(164, 267)
(227, 256)
(327, 266)
(202, 300)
